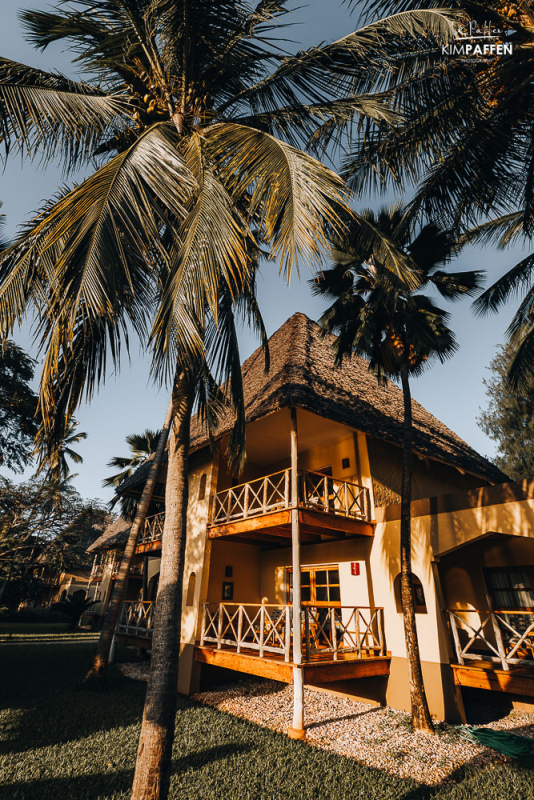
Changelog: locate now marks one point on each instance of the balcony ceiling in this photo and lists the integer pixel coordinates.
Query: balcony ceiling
(268, 439)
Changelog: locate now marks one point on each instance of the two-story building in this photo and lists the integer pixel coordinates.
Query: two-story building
(324, 454)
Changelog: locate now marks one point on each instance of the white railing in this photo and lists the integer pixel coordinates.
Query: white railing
(265, 628)
(505, 637)
(136, 618)
(272, 493)
(152, 530)
(108, 565)
(343, 629)
(97, 571)
(268, 628)
(333, 495)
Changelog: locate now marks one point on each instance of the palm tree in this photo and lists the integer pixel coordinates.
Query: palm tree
(142, 446)
(467, 127)
(504, 231)
(195, 118)
(469, 137)
(400, 330)
(54, 460)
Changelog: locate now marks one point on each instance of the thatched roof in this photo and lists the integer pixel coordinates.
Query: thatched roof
(78, 537)
(114, 535)
(302, 374)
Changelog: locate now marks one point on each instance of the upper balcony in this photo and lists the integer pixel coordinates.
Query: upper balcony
(105, 566)
(260, 511)
(151, 533)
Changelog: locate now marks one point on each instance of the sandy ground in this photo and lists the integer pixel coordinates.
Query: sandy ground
(376, 736)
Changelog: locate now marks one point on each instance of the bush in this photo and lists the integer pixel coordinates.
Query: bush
(32, 614)
(73, 607)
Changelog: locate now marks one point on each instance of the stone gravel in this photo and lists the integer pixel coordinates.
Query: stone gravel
(376, 736)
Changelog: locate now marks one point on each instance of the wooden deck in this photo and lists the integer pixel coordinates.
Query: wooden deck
(274, 528)
(259, 512)
(487, 675)
(320, 670)
(148, 547)
(130, 640)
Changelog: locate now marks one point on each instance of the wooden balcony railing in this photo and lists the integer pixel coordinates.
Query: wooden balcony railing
(272, 493)
(344, 629)
(152, 530)
(325, 630)
(108, 566)
(136, 618)
(97, 571)
(505, 637)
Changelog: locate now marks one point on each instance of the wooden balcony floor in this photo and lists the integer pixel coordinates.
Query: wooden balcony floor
(274, 529)
(489, 675)
(322, 669)
(139, 640)
(147, 547)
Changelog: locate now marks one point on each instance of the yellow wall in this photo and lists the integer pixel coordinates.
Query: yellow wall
(356, 590)
(462, 571)
(195, 556)
(449, 550)
(245, 562)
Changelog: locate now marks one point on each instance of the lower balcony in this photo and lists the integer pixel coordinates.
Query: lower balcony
(136, 620)
(494, 649)
(337, 643)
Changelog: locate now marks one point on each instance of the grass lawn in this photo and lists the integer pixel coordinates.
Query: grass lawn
(40, 631)
(59, 740)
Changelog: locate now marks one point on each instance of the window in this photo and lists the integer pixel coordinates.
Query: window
(202, 487)
(511, 588)
(317, 585)
(418, 594)
(190, 598)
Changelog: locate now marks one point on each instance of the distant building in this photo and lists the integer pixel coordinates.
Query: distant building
(64, 566)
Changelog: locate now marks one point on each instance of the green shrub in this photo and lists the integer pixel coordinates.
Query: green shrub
(35, 614)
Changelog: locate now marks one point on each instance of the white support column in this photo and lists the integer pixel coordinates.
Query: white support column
(297, 730)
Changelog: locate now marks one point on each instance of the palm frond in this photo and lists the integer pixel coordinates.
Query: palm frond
(293, 196)
(214, 236)
(114, 217)
(348, 66)
(454, 285)
(520, 372)
(512, 282)
(45, 114)
(366, 237)
(499, 232)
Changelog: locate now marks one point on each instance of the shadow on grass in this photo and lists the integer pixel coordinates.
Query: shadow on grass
(111, 783)
(215, 755)
(47, 703)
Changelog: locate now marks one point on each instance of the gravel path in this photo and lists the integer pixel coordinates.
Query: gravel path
(376, 736)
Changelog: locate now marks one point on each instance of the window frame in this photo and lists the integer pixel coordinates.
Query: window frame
(528, 569)
(312, 569)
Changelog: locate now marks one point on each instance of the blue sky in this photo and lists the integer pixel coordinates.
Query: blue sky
(129, 402)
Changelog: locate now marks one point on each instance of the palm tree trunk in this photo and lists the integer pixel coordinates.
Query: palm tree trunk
(421, 719)
(153, 768)
(101, 657)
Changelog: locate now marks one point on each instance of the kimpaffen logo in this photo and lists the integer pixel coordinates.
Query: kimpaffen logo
(475, 39)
